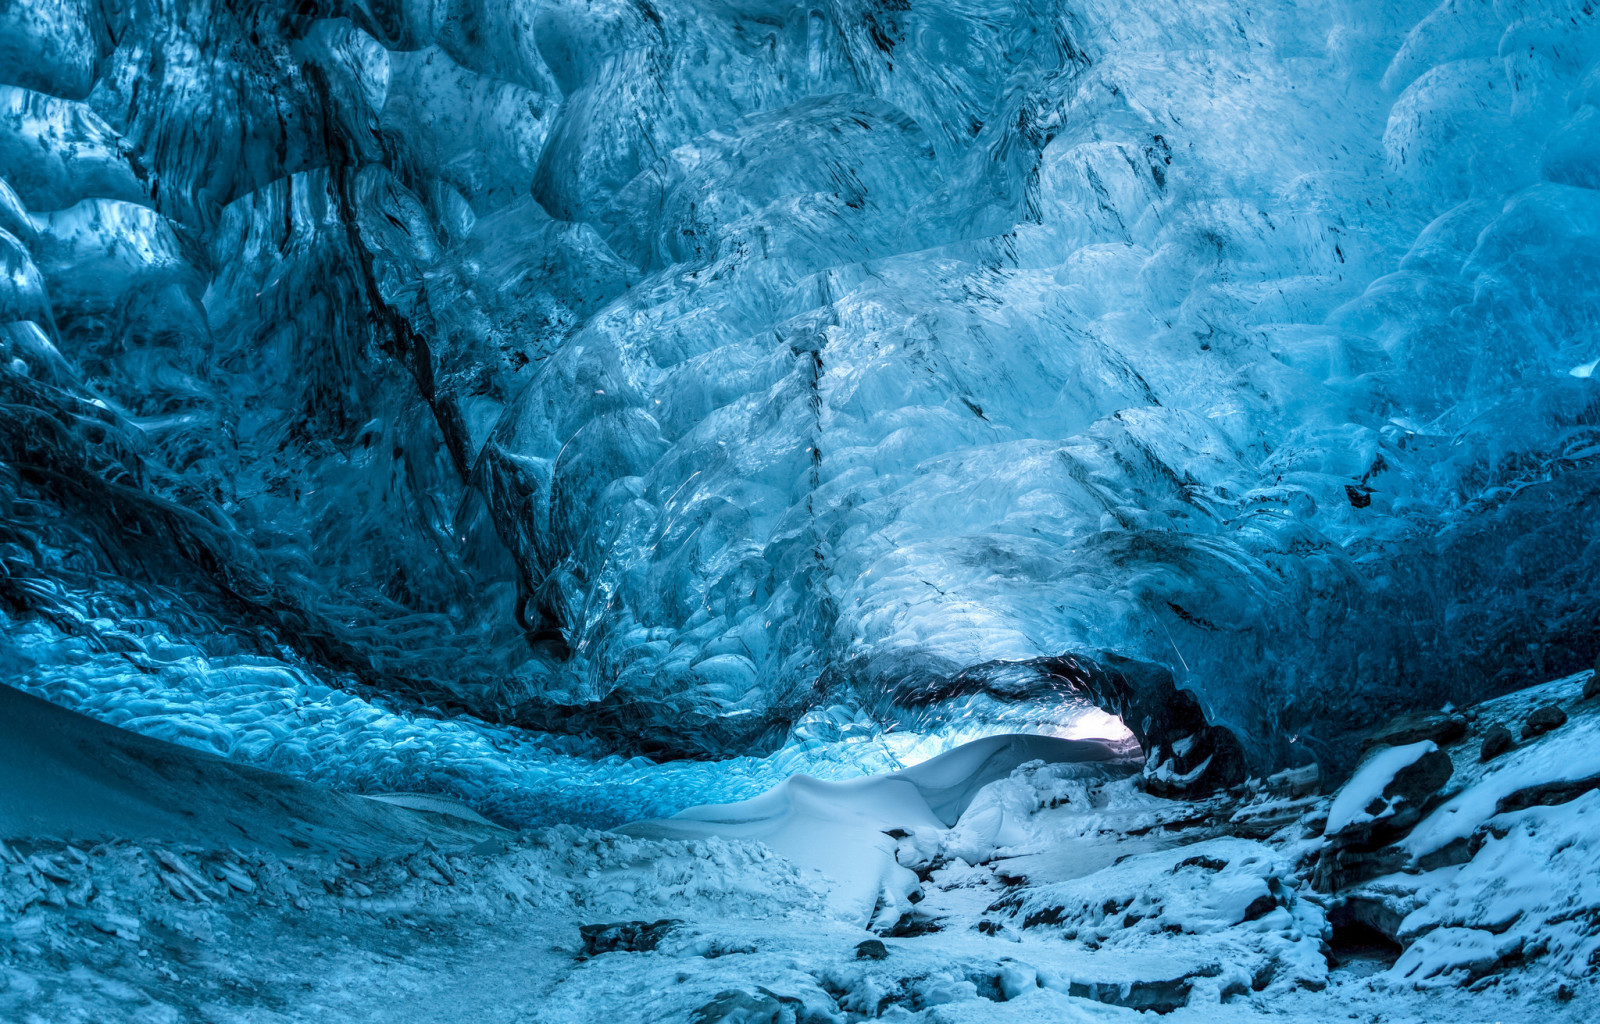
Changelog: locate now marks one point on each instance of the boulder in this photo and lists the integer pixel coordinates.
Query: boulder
(1421, 779)
(1388, 794)
(872, 949)
(735, 1007)
(1496, 741)
(1391, 791)
(1546, 794)
(1543, 720)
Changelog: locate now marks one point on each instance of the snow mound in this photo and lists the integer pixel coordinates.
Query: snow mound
(839, 829)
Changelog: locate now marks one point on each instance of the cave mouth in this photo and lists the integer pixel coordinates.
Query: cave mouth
(1359, 948)
(632, 438)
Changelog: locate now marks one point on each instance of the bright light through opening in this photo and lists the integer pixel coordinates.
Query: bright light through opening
(1088, 723)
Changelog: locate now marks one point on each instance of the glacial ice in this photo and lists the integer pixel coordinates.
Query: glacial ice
(589, 410)
(667, 372)
(774, 432)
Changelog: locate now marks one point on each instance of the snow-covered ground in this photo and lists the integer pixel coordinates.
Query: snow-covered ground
(984, 885)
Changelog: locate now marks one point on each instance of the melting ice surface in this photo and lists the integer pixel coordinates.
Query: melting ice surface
(478, 398)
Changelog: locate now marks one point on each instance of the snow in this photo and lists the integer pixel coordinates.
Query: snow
(1571, 756)
(1057, 892)
(838, 829)
(1366, 787)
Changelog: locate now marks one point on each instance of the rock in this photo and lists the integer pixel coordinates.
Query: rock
(872, 949)
(909, 926)
(1591, 689)
(1546, 794)
(1160, 995)
(1496, 741)
(1421, 779)
(1260, 907)
(1383, 800)
(1423, 725)
(1543, 720)
(1378, 911)
(1339, 868)
(735, 1007)
(623, 937)
(1296, 782)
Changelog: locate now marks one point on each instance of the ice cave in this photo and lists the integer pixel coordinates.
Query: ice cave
(756, 512)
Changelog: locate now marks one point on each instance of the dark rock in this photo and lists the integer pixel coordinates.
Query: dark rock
(1378, 912)
(872, 949)
(912, 925)
(1496, 741)
(735, 1007)
(1546, 794)
(623, 937)
(1456, 851)
(1160, 995)
(1543, 720)
(1340, 868)
(1413, 728)
(1420, 779)
(1260, 907)
(1362, 850)
(1047, 916)
(1591, 689)
(1296, 782)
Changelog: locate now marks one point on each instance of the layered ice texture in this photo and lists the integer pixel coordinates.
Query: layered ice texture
(390, 387)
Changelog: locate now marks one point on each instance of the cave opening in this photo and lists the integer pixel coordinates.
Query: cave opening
(836, 510)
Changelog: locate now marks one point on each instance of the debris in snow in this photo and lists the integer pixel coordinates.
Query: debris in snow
(1442, 729)
(1075, 893)
(624, 936)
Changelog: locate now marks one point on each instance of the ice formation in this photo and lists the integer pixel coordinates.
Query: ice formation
(667, 372)
(710, 414)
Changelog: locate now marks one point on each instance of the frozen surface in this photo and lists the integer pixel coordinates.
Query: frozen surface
(1204, 911)
(1569, 755)
(742, 419)
(70, 778)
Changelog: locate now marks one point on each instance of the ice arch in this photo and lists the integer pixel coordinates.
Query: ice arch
(665, 372)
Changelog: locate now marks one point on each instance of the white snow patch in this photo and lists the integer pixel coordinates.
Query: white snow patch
(1367, 785)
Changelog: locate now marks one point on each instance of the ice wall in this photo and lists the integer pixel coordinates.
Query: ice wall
(675, 372)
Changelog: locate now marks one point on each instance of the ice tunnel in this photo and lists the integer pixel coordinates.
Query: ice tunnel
(567, 412)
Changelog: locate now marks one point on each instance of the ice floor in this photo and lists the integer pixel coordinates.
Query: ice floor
(271, 712)
(1021, 879)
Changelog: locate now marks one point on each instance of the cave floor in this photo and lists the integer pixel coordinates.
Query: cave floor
(1063, 893)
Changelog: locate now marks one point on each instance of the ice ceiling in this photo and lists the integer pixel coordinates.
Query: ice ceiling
(447, 394)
